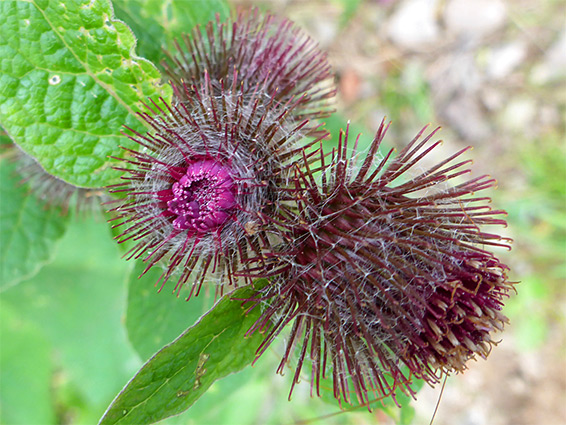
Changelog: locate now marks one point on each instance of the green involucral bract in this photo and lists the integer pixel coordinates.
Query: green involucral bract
(69, 80)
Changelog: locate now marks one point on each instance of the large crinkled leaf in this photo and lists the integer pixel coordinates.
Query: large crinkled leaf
(69, 80)
(157, 23)
(154, 318)
(173, 379)
(28, 230)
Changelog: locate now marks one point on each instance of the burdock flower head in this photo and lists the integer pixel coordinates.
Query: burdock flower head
(386, 275)
(244, 96)
(256, 53)
(196, 188)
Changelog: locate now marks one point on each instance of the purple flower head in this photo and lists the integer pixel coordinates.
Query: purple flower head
(252, 52)
(386, 275)
(220, 156)
(200, 182)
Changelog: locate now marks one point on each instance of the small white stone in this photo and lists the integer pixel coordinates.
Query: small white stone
(474, 18)
(519, 114)
(414, 24)
(503, 60)
(465, 115)
(325, 30)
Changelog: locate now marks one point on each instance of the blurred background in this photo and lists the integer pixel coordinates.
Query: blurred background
(493, 74)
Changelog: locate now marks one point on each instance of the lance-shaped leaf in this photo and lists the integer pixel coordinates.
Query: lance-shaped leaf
(69, 80)
(28, 230)
(173, 379)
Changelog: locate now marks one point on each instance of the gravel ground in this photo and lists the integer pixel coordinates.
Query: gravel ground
(493, 74)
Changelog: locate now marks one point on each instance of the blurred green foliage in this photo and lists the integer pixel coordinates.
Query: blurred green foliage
(537, 216)
(406, 96)
(29, 231)
(75, 305)
(155, 318)
(349, 10)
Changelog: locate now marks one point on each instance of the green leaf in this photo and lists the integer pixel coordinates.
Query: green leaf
(69, 81)
(181, 372)
(5, 141)
(237, 394)
(26, 372)
(157, 23)
(28, 230)
(154, 318)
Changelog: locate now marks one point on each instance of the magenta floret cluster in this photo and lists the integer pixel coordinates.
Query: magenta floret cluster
(202, 199)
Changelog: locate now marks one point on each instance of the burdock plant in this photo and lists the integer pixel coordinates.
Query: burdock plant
(381, 271)
(378, 271)
(384, 272)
